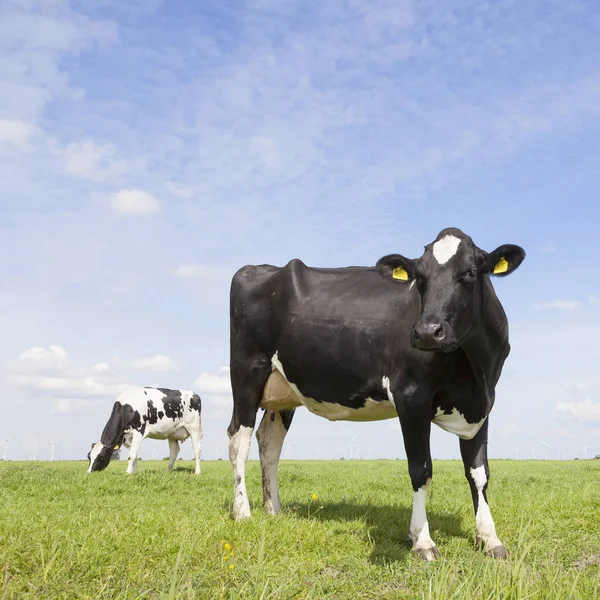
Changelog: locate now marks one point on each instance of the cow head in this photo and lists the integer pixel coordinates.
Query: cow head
(99, 456)
(450, 278)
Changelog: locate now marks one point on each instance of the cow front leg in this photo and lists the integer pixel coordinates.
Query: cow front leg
(196, 439)
(134, 449)
(173, 452)
(416, 431)
(477, 472)
(270, 435)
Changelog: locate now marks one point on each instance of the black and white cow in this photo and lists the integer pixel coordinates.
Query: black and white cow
(423, 340)
(155, 413)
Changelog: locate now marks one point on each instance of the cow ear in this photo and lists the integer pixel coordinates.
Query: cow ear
(503, 260)
(395, 266)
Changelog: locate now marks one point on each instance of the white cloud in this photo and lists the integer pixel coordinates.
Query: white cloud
(84, 386)
(179, 190)
(158, 362)
(586, 410)
(38, 359)
(548, 248)
(17, 132)
(217, 385)
(557, 304)
(89, 160)
(70, 406)
(134, 202)
(594, 299)
(101, 367)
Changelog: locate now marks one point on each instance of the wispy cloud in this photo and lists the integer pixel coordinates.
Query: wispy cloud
(557, 305)
(159, 362)
(585, 410)
(134, 203)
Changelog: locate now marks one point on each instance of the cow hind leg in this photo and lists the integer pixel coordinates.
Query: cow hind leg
(247, 385)
(270, 435)
(134, 449)
(173, 452)
(196, 439)
(477, 472)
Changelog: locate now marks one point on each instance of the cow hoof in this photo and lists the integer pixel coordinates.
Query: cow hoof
(497, 552)
(427, 554)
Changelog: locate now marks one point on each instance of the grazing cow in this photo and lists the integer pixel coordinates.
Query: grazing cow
(423, 340)
(155, 413)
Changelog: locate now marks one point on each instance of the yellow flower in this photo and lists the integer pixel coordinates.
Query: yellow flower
(315, 497)
(227, 547)
(231, 566)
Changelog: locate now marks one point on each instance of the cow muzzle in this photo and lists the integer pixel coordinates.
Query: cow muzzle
(431, 335)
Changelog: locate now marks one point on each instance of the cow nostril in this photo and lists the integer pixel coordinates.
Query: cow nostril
(415, 335)
(438, 334)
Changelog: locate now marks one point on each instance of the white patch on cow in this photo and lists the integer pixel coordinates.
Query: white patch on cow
(270, 436)
(457, 424)
(445, 249)
(373, 410)
(239, 447)
(96, 449)
(385, 382)
(419, 527)
(484, 524)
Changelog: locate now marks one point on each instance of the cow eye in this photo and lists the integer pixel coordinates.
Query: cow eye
(470, 275)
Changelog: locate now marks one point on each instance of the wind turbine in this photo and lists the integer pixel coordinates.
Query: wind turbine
(53, 443)
(290, 444)
(585, 451)
(5, 442)
(351, 446)
(546, 446)
(318, 452)
(533, 447)
(217, 444)
(371, 453)
(517, 452)
(357, 452)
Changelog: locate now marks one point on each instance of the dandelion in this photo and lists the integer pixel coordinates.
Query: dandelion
(315, 497)
(231, 567)
(227, 547)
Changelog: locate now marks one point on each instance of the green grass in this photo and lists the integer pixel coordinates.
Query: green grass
(66, 534)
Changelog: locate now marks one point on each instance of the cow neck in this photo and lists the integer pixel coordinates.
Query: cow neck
(487, 345)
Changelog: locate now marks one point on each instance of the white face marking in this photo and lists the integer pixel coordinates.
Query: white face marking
(457, 424)
(373, 410)
(385, 382)
(239, 447)
(445, 249)
(484, 524)
(96, 449)
(419, 527)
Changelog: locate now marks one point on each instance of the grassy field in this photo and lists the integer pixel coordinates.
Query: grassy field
(65, 534)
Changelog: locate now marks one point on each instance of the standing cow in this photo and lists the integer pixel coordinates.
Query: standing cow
(155, 413)
(423, 340)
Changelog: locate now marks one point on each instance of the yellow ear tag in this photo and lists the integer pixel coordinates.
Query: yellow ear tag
(116, 447)
(501, 266)
(400, 273)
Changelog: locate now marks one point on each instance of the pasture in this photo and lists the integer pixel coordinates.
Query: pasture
(66, 534)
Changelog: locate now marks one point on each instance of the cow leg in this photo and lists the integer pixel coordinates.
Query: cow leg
(416, 429)
(270, 435)
(173, 452)
(195, 438)
(136, 442)
(474, 455)
(248, 379)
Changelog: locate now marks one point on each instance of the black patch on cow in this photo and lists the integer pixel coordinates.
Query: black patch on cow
(161, 414)
(152, 415)
(195, 402)
(172, 403)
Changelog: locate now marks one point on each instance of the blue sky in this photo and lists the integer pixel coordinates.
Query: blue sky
(149, 149)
